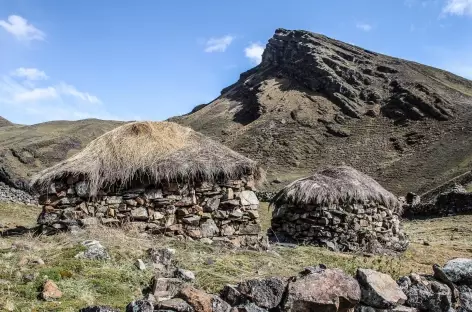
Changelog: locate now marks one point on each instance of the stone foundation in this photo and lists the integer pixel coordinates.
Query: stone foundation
(224, 211)
(368, 227)
(12, 195)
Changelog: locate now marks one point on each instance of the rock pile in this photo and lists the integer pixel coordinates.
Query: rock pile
(350, 227)
(12, 195)
(314, 289)
(226, 211)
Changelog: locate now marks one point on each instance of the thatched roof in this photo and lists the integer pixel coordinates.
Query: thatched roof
(161, 151)
(335, 185)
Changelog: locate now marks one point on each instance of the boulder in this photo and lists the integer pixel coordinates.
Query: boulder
(50, 291)
(250, 307)
(425, 293)
(459, 271)
(465, 299)
(209, 228)
(248, 198)
(185, 275)
(164, 288)
(327, 290)
(175, 304)
(200, 301)
(266, 292)
(379, 290)
(94, 251)
(140, 265)
(140, 306)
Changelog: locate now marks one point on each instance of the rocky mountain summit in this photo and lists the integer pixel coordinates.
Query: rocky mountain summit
(4, 122)
(315, 101)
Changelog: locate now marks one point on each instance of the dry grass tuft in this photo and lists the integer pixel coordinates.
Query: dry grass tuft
(336, 185)
(159, 151)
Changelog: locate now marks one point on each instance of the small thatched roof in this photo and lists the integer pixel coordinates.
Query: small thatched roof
(161, 151)
(335, 185)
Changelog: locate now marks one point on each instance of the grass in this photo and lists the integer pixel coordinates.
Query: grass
(116, 282)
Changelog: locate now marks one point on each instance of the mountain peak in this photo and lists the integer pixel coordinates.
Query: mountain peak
(4, 122)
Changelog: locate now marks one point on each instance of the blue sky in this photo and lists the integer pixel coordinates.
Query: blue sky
(152, 59)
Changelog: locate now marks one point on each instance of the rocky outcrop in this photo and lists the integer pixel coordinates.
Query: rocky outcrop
(13, 195)
(4, 122)
(225, 211)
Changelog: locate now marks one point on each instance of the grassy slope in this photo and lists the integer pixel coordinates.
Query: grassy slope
(117, 282)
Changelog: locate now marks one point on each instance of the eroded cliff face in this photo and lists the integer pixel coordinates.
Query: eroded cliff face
(315, 101)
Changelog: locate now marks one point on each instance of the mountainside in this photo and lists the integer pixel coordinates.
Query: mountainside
(25, 150)
(314, 101)
(4, 122)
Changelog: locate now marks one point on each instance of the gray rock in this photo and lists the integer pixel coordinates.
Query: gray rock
(206, 240)
(140, 213)
(175, 304)
(162, 259)
(192, 220)
(231, 295)
(140, 265)
(153, 194)
(465, 299)
(362, 308)
(185, 275)
(94, 251)
(212, 204)
(459, 271)
(266, 293)
(248, 198)
(164, 288)
(250, 229)
(326, 291)
(82, 189)
(426, 294)
(379, 290)
(89, 221)
(140, 306)
(99, 309)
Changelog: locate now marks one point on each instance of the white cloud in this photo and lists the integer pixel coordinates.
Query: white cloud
(458, 7)
(29, 73)
(254, 52)
(69, 90)
(364, 26)
(49, 101)
(218, 44)
(21, 29)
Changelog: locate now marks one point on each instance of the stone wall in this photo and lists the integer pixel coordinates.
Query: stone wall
(225, 211)
(367, 227)
(451, 203)
(12, 195)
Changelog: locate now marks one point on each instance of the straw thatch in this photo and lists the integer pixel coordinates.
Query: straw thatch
(160, 151)
(335, 185)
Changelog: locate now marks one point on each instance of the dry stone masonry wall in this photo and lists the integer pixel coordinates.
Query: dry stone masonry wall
(12, 195)
(367, 227)
(225, 211)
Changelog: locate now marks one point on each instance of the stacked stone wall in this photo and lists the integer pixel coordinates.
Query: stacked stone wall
(367, 227)
(227, 210)
(13, 195)
(446, 204)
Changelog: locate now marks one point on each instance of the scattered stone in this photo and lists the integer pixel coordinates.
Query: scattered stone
(175, 304)
(459, 271)
(232, 295)
(185, 275)
(164, 288)
(140, 306)
(162, 259)
(250, 307)
(50, 291)
(379, 290)
(94, 251)
(266, 293)
(328, 290)
(140, 265)
(37, 261)
(200, 301)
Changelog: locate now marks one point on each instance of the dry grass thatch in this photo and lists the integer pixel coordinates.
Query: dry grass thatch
(335, 185)
(160, 151)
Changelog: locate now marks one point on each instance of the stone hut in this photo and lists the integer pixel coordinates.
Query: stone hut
(159, 176)
(340, 208)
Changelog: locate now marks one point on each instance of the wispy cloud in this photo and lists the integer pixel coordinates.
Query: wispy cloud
(458, 7)
(254, 52)
(29, 73)
(48, 101)
(364, 26)
(218, 44)
(21, 29)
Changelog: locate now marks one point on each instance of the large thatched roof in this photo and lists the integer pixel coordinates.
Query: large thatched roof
(158, 150)
(335, 185)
